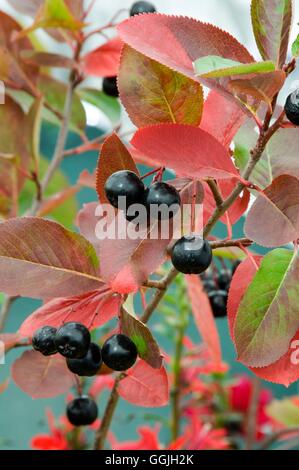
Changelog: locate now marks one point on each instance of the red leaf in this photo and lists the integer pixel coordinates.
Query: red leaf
(145, 386)
(92, 309)
(242, 277)
(204, 318)
(40, 376)
(221, 118)
(178, 41)
(276, 207)
(103, 61)
(189, 151)
(114, 157)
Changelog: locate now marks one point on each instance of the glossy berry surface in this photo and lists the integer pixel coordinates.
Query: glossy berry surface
(89, 365)
(72, 340)
(82, 411)
(44, 340)
(162, 194)
(110, 87)
(218, 300)
(292, 107)
(124, 184)
(191, 255)
(142, 7)
(119, 352)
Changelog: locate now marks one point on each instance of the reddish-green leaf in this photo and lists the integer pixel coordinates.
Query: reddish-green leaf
(178, 41)
(216, 67)
(279, 158)
(103, 61)
(276, 207)
(47, 59)
(148, 349)
(92, 310)
(285, 412)
(272, 21)
(114, 157)
(153, 93)
(189, 151)
(32, 249)
(40, 376)
(204, 319)
(145, 386)
(54, 14)
(268, 315)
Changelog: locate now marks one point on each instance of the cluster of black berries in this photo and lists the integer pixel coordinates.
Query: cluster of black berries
(190, 255)
(127, 186)
(292, 107)
(84, 358)
(216, 284)
(110, 83)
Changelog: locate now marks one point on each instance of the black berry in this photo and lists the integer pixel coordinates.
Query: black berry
(88, 365)
(224, 279)
(162, 194)
(44, 340)
(292, 107)
(110, 87)
(218, 301)
(72, 340)
(119, 352)
(191, 255)
(142, 7)
(125, 184)
(82, 411)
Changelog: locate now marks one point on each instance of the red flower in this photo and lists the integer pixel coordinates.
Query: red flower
(54, 441)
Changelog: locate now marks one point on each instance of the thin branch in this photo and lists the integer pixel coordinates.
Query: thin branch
(215, 191)
(102, 432)
(230, 243)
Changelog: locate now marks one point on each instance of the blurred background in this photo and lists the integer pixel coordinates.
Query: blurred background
(20, 416)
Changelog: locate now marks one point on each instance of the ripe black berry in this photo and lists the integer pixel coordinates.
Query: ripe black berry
(72, 340)
(162, 194)
(125, 184)
(292, 107)
(218, 301)
(191, 255)
(110, 87)
(44, 340)
(88, 365)
(82, 411)
(119, 352)
(142, 7)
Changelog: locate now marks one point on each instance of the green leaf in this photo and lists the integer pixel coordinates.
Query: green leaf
(271, 21)
(140, 334)
(275, 161)
(285, 411)
(54, 14)
(109, 105)
(153, 93)
(295, 47)
(64, 214)
(268, 315)
(217, 67)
